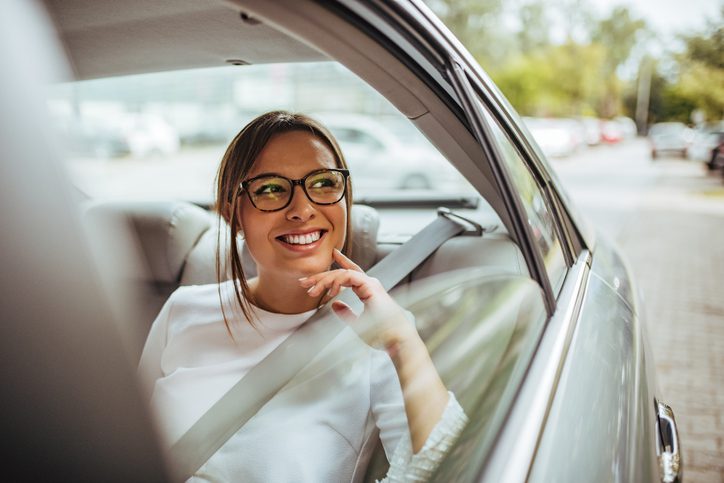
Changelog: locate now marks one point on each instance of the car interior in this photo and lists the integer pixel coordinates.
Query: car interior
(163, 244)
(177, 239)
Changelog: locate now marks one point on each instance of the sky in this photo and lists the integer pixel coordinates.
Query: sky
(668, 17)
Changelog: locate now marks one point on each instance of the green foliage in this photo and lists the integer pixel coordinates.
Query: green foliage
(477, 24)
(580, 75)
(701, 70)
(560, 80)
(708, 48)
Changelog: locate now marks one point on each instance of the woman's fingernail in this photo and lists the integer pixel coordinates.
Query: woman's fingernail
(311, 288)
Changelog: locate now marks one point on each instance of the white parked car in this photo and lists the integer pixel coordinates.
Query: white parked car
(391, 146)
(557, 138)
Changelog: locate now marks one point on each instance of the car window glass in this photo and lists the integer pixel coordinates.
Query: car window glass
(122, 134)
(481, 329)
(540, 217)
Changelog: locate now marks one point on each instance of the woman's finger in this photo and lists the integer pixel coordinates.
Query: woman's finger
(345, 262)
(345, 278)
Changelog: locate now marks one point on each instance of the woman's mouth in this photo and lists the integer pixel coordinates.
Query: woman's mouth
(302, 240)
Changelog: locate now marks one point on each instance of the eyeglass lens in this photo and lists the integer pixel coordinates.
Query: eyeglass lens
(273, 192)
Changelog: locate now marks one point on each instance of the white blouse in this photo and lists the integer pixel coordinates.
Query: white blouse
(321, 426)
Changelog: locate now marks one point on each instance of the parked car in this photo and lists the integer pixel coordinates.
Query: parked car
(531, 317)
(705, 140)
(372, 146)
(669, 137)
(558, 138)
(611, 132)
(628, 127)
(592, 130)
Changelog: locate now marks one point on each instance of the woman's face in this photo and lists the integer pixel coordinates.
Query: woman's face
(273, 238)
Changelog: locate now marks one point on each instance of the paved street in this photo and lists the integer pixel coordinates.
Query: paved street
(668, 218)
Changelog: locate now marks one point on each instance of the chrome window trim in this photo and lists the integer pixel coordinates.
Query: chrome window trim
(516, 446)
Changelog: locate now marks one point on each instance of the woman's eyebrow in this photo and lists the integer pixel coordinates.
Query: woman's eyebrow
(277, 175)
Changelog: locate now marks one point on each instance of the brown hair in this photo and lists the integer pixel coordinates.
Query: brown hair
(235, 166)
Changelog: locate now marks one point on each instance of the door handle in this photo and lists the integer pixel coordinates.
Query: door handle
(667, 447)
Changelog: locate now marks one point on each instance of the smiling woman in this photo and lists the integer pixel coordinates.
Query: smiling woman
(283, 145)
(280, 185)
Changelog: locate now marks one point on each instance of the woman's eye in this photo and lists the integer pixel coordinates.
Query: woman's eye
(322, 183)
(269, 189)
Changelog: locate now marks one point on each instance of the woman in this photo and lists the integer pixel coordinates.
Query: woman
(284, 186)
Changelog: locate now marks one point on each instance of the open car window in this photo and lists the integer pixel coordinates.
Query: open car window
(124, 134)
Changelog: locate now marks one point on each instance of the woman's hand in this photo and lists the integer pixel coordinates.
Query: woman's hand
(384, 323)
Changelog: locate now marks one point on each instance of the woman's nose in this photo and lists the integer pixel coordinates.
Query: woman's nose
(301, 208)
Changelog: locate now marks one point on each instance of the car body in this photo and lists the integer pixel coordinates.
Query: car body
(550, 362)
(669, 137)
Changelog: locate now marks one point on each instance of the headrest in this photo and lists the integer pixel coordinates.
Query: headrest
(164, 233)
(200, 265)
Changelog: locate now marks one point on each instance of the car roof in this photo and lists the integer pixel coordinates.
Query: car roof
(108, 38)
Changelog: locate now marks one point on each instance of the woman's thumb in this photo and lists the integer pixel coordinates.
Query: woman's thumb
(343, 311)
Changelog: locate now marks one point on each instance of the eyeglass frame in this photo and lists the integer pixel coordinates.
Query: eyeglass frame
(244, 185)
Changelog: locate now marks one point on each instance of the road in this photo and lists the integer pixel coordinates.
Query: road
(667, 217)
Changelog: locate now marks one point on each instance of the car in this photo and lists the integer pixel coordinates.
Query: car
(372, 145)
(611, 132)
(558, 138)
(669, 137)
(531, 316)
(705, 140)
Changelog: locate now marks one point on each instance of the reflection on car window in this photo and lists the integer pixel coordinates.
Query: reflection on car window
(481, 329)
(123, 134)
(540, 218)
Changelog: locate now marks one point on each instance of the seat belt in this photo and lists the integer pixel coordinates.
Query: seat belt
(261, 383)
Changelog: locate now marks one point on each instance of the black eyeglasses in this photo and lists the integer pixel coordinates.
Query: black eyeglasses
(272, 192)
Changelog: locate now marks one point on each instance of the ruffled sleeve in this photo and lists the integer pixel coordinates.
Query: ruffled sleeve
(408, 467)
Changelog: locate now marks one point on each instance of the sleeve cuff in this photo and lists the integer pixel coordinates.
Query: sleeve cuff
(408, 467)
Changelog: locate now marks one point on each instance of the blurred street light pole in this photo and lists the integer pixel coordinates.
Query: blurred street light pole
(643, 94)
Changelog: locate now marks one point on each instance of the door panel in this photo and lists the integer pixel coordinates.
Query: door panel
(601, 425)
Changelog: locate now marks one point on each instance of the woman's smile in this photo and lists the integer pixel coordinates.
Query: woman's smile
(302, 240)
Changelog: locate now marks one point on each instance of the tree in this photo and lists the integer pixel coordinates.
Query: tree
(477, 24)
(534, 30)
(560, 80)
(618, 34)
(701, 70)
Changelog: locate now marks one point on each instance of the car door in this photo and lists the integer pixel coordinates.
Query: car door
(603, 362)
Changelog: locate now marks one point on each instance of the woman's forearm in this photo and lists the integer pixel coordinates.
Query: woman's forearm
(423, 391)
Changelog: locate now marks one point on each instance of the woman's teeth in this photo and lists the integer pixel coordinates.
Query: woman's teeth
(302, 239)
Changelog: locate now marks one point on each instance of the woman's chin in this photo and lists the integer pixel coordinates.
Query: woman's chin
(311, 266)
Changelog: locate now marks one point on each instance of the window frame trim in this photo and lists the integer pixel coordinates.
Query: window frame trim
(461, 82)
